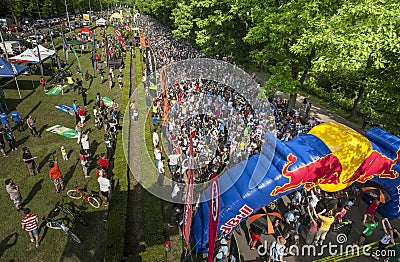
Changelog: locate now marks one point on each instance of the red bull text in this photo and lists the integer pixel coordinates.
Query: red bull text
(245, 211)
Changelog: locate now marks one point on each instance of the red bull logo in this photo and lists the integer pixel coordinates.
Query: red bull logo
(245, 211)
(325, 170)
(376, 164)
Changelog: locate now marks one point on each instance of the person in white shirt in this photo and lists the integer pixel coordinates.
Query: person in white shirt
(105, 187)
(160, 170)
(156, 139)
(173, 162)
(85, 142)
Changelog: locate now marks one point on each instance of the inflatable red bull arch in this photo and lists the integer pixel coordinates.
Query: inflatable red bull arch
(331, 155)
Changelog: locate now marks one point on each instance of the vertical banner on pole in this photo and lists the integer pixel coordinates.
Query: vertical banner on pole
(188, 210)
(214, 215)
(64, 43)
(94, 52)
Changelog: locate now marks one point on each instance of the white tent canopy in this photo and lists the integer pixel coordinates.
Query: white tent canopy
(101, 21)
(44, 52)
(28, 56)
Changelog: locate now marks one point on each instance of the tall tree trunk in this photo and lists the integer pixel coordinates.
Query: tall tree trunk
(307, 68)
(292, 101)
(358, 101)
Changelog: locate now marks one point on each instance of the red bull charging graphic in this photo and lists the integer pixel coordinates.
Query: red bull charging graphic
(331, 156)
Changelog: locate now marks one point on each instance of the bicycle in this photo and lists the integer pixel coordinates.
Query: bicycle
(76, 193)
(71, 212)
(342, 227)
(54, 224)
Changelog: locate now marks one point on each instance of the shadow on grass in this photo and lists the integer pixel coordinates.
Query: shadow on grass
(34, 108)
(36, 188)
(44, 161)
(93, 147)
(42, 129)
(22, 140)
(8, 242)
(93, 241)
(70, 153)
(69, 174)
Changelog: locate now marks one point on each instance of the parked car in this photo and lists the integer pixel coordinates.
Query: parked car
(15, 28)
(32, 39)
(41, 22)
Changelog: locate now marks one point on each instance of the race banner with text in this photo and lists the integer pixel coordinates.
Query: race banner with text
(188, 210)
(150, 60)
(120, 37)
(214, 215)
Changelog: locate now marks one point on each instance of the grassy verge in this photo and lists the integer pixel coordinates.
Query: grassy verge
(153, 218)
(117, 215)
(38, 192)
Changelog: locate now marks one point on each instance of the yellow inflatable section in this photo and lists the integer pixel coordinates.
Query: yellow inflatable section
(350, 147)
(117, 15)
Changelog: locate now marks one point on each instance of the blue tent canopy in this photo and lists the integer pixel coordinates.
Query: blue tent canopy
(8, 69)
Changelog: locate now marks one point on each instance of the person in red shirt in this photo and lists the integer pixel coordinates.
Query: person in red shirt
(55, 175)
(43, 83)
(30, 224)
(102, 164)
(371, 210)
(81, 114)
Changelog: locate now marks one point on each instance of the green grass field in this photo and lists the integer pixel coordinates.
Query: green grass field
(38, 192)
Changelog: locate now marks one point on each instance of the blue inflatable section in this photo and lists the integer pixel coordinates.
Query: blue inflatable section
(247, 187)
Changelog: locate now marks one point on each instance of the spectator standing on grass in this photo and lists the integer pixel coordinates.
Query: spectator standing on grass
(78, 129)
(17, 119)
(103, 162)
(75, 108)
(29, 161)
(31, 123)
(55, 175)
(98, 98)
(120, 81)
(2, 143)
(79, 84)
(109, 146)
(85, 142)
(30, 224)
(84, 157)
(81, 114)
(156, 139)
(43, 83)
(160, 171)
(105, 187)
(9, 136)
(71, 83)
(84, 97)
(13, 190)
(4, 119)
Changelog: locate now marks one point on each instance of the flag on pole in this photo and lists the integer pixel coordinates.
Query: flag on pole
(94, 52)
(54, 48)
(64, 44)
(188, 210)
(213, 218)
(40, 59)
(77, 58)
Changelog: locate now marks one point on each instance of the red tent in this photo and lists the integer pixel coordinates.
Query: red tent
(85, 31)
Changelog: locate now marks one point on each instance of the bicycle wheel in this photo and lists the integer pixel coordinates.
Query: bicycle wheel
(73, 194)
(73, 236)
(93, 202)
(51, 224)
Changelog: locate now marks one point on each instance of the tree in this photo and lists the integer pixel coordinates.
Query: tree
(358, 38)
(277, 27)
